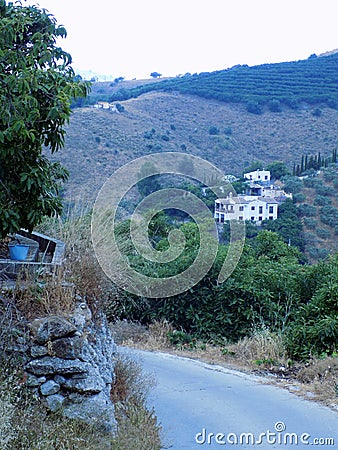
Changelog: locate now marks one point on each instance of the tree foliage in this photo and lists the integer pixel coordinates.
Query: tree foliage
(270, 288)
(37, 85)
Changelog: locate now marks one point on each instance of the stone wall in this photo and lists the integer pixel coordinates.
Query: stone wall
(71, 366)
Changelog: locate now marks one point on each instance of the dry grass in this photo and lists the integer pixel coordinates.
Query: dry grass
(153, 337)
(48, 295)
(321, 377)
(137, 426)
(262, 348)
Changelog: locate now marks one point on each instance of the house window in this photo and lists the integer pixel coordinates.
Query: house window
(260, 218)
(222, 218)
(253, 219)
(261, 210)
(252, 208)
(270, 209)
(240, 217)
(270, 217)
(241, 208)
(266, 177)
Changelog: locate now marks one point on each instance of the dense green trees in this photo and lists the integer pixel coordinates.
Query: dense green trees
(314, 329)
(270, 288)
(37, 85)
(278, 169)
(288, 224)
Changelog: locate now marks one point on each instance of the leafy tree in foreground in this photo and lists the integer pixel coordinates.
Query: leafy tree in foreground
(37, 85)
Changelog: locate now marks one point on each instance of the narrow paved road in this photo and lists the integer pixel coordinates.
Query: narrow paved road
(206, 406)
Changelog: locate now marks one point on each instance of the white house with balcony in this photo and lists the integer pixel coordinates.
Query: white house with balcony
(245, 207)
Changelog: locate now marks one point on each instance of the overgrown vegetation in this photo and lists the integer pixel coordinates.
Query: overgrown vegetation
(269, 288)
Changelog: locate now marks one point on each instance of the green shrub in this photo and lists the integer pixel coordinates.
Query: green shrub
(323, 233)
(309, 222)
(321, 200)
(299, 198)
(329, 215)
(324, 190)
(315, 328)
(307, 210)
(317, 112)
(318, 253)
(120, 107)
(274, 105)
(213, 130)
(254, 107)
(310, 238)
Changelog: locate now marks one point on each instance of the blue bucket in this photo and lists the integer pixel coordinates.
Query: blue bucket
(18, 252)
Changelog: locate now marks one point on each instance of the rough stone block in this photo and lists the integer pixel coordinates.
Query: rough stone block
(52, 366)
(54, 402)
(67, 348)
(38, 350)
(91, 383)
(33, 381)
(51, 328)
(49, 388)
(93, 409)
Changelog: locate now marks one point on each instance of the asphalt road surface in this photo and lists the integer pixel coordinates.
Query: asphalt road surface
(209, 407)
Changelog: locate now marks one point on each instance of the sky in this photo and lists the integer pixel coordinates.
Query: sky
(132, 38)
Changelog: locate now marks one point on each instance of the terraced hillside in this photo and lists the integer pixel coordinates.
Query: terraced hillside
(318, 206)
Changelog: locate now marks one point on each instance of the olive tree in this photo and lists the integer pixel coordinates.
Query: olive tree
(37, 86)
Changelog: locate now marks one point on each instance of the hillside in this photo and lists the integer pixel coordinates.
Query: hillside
(317, 201)
(267, 86)
(99, 141)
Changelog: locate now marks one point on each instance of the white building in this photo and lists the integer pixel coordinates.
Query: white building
(258, 175)
(269, 190)
(245, 207)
